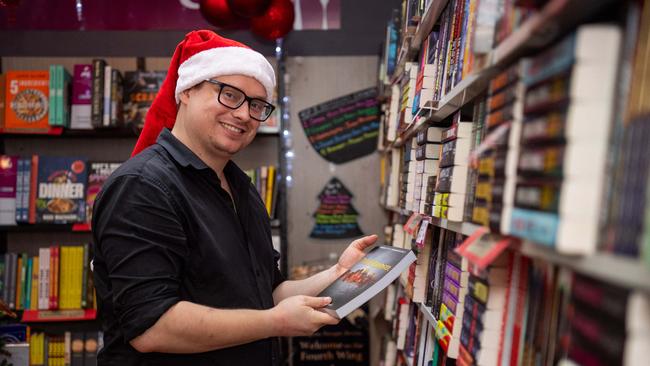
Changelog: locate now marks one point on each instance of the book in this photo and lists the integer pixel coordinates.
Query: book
(98, 173)
(378, 269)
(97, 105)
(82, 94)
(140, 89)
(61, 190)
(8, 179)
(27, 101)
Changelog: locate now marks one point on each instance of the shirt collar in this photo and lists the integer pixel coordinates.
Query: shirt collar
(186, 157)
(179, 152)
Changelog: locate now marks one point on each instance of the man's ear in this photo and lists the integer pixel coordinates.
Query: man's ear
(184, 96)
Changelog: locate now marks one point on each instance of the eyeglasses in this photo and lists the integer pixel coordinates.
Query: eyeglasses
(233, 98)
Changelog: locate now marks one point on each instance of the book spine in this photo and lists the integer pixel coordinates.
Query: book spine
(19, 190)
(34, 300)
(97, 106)
(33, 189)
(84, 276)
(27, 189)
(106, 113)
(18, 282)
(51, 115)
(28, 282)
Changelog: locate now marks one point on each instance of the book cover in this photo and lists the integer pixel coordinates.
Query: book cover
(8, 179)
(82, 94)
(27, 100)
(98, 173)
(61, 190)
(140, 89)
(378, 269)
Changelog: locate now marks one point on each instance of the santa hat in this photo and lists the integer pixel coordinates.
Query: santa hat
(203, 54)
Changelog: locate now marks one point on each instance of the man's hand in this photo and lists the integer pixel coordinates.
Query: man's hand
(353, 253)
(300, 315)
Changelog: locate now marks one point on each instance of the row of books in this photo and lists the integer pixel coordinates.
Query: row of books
(457, 46)
(28, 347)
(58, 278)
(93, 96)
(534, 158)
(47, 189)
(265, 179)
(517, 311)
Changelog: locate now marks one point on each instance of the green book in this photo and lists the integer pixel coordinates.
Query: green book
(65, 97)
(51, 117)
(23, 280)
(28, 283)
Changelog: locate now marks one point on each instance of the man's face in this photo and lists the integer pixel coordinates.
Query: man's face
(214, 128)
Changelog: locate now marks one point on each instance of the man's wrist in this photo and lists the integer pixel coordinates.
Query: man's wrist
(337, 270)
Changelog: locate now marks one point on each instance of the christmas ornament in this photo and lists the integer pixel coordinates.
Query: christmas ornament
(219, 14)
(276, 22)
(249, 8)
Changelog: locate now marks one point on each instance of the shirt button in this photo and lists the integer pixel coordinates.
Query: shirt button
(257, 272)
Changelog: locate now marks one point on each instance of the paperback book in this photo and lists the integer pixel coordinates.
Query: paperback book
(378, 269)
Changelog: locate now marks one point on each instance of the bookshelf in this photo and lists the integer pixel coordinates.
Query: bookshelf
(591, 262)
(555, 19)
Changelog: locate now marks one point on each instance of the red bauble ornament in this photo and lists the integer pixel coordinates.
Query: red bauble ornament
(7, 3)
(249, 8)
(219, 14)
(276, 22)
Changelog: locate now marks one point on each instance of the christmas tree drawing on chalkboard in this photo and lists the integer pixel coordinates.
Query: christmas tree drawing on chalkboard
(335, 217)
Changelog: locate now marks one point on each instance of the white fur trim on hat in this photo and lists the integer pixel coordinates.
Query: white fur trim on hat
(221, 61)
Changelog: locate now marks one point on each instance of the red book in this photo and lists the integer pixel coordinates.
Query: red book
(54, 277)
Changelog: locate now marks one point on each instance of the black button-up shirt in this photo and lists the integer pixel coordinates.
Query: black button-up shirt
(164, 231)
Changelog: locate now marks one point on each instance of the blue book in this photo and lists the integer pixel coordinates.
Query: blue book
(540, 227)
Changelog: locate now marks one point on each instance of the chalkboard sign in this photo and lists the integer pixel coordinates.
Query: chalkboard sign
(344, 344)
(344, 128)
(335, 216)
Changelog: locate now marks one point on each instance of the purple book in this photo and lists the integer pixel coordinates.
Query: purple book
(82, 95)
(8, 173)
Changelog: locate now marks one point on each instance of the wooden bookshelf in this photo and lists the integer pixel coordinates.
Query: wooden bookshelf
(32, 228)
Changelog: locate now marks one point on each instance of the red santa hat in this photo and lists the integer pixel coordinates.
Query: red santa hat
(203, 54)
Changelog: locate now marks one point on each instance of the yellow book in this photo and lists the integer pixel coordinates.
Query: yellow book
(78, 276)
(270, 181)
(64, 278)
(33, 303)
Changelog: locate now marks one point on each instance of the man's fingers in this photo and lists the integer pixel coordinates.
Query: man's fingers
(365, 242)
(317, 302)
(324, 318)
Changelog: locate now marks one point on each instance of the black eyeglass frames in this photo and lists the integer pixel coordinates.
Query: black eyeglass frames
(232, 97)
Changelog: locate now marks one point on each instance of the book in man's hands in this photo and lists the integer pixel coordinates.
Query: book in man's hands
(378, 269)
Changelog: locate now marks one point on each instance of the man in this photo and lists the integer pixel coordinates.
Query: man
(184, 267)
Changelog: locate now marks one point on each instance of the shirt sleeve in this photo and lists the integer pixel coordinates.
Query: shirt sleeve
(278, 278)
(141, 239)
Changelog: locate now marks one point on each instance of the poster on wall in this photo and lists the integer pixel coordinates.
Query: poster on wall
(343, 344)
(336, 218)
(345, 128)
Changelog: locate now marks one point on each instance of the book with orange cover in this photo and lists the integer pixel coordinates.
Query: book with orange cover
(27, 97)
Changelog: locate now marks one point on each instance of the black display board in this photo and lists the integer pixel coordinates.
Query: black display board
(344, 128)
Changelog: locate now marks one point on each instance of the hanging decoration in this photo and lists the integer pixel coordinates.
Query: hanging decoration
(345, 128)
(249, 8)
(219, 14)
(276, 22)
(336, 218)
